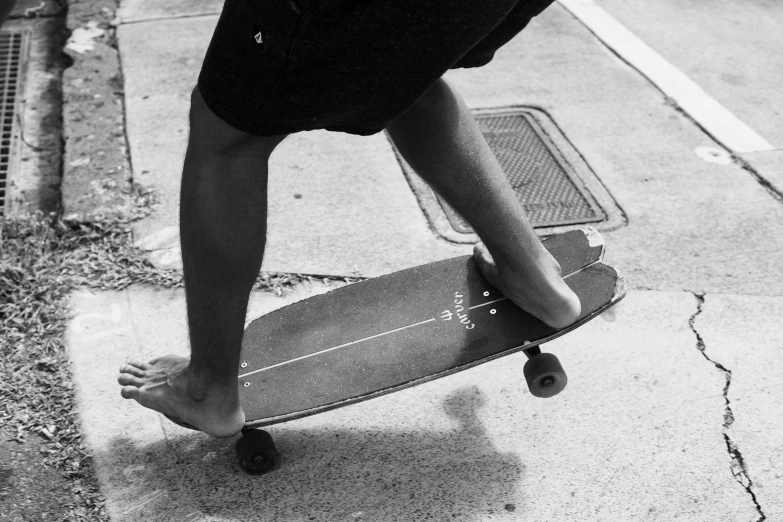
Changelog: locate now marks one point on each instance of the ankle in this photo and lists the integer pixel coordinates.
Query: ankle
(203, 383)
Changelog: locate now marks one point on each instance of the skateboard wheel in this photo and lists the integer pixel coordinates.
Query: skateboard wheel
(256, 452)
(545, 375)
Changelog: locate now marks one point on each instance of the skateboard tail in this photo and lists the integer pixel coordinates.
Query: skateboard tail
(591, 251)
(594, 238)
(620, 287)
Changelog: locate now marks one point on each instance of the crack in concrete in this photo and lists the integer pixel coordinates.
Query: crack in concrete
(738, 469)
(767, 185)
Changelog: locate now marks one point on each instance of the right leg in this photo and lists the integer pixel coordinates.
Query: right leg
(223, 215)
(440, 139)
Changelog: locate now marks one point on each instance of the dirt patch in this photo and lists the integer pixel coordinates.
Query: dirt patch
(30, 491)
(97, 177)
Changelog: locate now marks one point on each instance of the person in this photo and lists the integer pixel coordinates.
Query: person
(278, 67)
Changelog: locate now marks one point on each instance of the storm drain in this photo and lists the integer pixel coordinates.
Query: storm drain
(543, 181)
(12, 57)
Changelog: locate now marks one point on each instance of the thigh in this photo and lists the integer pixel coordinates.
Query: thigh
(211, 136)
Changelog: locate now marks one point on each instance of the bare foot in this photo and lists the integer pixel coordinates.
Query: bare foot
(537, 289)
(166, 385)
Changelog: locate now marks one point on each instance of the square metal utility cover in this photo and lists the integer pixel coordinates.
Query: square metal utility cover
(546, 173)
(549, 193)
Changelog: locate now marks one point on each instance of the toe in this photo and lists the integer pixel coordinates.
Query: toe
(141, 365)
(127, 379)
(481, 255)
(130, 392)
(131, 369)
(485, 262)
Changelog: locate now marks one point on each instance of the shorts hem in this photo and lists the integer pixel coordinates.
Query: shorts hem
(357, 131)
(472, 65)
(271, 131)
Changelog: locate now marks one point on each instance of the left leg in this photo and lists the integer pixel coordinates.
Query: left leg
(223, 232)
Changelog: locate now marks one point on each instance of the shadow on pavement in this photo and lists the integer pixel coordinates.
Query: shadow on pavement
(329, 474)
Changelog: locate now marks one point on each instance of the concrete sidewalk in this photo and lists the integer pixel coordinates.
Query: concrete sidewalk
(638, 433)
(672, 409)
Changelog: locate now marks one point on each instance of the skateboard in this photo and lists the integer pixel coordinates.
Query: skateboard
(392, 332)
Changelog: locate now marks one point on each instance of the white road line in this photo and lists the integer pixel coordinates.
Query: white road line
(715, 119)
(333, 348)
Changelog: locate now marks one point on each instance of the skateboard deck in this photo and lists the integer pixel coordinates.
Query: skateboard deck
(406, 328)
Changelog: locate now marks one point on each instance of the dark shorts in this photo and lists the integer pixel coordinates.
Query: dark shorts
(282, 66)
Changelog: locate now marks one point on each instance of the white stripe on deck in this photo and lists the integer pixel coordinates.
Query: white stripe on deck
(334, 348)
(489, 303)
(715, 119)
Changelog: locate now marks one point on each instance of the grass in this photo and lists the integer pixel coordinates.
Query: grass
(43, 259)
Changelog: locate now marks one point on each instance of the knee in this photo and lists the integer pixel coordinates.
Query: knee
(209, 131)
(209, 134)
(200, 115)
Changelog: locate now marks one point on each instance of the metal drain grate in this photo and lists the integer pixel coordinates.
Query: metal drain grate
(542, 180)
(12, 44)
